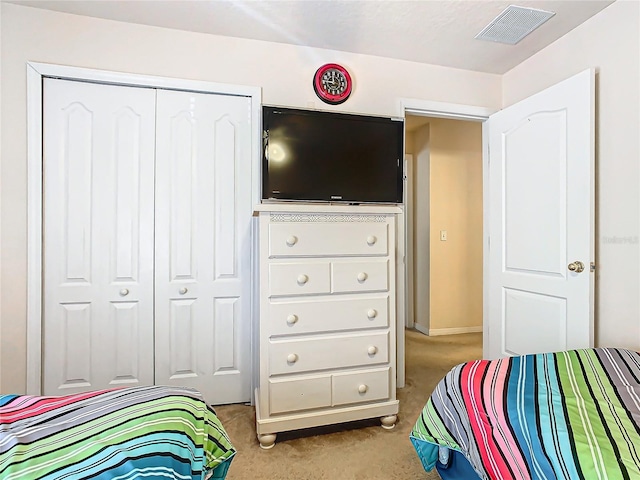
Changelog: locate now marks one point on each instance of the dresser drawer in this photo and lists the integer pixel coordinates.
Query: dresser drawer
(320, 353)
(360, 276)
(327, 239)
(330, 314)
(360, 386)
(299, 278)
(299, 394)
(321, 391)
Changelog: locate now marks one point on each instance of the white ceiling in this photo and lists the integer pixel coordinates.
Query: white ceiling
(439, 32)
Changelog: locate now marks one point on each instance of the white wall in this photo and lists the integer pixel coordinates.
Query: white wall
(283, 71)
(421, 244)
(0, 195)
(610, 42)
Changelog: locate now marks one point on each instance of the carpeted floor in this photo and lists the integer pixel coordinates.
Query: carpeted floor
(358, 450)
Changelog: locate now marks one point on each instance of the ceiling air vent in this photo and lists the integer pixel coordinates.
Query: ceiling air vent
(513, 24)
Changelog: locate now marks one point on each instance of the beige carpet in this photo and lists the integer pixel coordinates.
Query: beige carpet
(359, 450)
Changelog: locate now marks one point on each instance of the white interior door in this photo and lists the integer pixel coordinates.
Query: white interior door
(541, 167)
(203, 248)
(98, 145)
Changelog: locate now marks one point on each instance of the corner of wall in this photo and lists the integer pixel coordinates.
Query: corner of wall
(421, 180)
(1, 336)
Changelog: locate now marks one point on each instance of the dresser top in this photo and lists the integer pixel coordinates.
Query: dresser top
(325, 208)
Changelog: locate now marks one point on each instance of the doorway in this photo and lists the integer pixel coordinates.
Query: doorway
(444, 206)
(528, 261)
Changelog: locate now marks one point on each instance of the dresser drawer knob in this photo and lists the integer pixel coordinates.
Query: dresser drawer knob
(362, 276)
(363, 388)
(183, 290)
(371, 240)
(124, 292)
(292, 358)
(292, 319)
(372, 313)
(372, 350)
(302, 279)
(292, 240)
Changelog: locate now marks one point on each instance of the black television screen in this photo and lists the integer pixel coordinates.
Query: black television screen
(331, 157)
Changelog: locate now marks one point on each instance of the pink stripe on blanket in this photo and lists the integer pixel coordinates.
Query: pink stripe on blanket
(31, 406)
(488, 421)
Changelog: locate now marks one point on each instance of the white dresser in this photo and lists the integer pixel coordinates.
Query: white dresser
(327, 317)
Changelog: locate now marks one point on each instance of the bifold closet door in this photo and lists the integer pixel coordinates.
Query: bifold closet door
(203, 248)
(98, 151)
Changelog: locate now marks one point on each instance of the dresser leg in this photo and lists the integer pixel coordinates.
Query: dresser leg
(389, 421)
(267, 440)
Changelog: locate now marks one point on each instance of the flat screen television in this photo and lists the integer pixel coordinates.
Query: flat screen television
(331, 157)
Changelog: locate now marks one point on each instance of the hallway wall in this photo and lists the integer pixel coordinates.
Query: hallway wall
(455, 207)
(448, 196)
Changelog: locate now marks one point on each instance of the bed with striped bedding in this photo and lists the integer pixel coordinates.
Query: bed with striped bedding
(566, 415)
(131, 433)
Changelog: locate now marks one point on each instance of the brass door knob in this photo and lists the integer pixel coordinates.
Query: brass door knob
(576, 266)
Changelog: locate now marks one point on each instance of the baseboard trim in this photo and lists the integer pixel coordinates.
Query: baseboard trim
(421, 328)
(433, 332)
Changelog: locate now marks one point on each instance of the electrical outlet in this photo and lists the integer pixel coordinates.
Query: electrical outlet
(443, 235)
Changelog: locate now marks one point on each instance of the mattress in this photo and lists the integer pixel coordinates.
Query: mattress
(564, 415)
(141, 432)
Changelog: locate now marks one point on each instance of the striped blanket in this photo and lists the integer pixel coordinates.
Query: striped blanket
(142, 432)
(566, 415)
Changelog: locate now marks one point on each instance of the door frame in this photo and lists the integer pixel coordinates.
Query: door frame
(453, 111)
(36, 72)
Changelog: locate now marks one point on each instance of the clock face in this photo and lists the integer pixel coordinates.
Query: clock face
(332, 83)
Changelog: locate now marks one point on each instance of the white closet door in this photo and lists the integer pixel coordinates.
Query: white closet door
(98, 236)
(203, 221)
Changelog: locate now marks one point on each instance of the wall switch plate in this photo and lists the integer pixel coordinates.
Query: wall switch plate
(443, 235)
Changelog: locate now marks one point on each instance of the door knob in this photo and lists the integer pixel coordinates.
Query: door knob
(576, 266)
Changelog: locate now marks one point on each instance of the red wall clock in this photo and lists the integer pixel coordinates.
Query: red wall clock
(332, 83)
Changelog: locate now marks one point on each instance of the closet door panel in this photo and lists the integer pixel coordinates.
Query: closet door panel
(125, 317)
(183, 334)
(203, 215)
(225, 247)
(98, 145)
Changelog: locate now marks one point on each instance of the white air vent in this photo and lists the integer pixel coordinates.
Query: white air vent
(513, 24)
